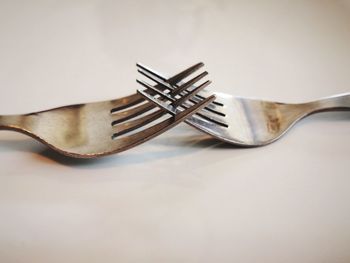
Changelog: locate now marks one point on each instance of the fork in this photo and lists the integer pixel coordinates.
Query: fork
(101, 128)
(237, 120)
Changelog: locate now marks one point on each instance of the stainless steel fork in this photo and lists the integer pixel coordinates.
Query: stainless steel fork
(237, 120)
(101, 128)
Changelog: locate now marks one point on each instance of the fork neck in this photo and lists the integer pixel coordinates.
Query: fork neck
(17, 122)
(339, 102)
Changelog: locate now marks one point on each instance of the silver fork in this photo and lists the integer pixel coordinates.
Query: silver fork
(241, 121)
(101, 128)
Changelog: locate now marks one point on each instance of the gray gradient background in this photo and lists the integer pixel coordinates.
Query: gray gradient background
(179, 197)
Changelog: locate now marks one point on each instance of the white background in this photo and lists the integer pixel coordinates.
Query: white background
(179, 197)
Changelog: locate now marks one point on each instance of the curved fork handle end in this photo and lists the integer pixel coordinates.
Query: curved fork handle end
(339, 102)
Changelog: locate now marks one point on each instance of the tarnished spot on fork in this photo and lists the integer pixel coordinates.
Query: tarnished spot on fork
(74, 134)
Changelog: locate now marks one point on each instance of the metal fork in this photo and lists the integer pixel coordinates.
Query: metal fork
(242, 121)
(101, 128)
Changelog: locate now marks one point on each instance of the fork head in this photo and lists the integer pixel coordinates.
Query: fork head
(245, 121)
(238, 121)
(101, 128)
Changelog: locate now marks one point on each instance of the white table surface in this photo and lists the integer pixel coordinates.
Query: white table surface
(180, 197)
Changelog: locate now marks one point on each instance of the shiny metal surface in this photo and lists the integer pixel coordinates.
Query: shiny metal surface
(253, 122)
(245, 121)
(97, 129)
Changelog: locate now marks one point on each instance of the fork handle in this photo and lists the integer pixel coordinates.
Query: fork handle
(339, 102)
(15, 122)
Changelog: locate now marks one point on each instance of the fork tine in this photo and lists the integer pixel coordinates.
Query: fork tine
(175, 79)
(191, 94)
(151, 71)
(129, 126)
(158, 77)
(157, 91)
(168, 107)
(163, 84)
(185, 73)
(197, 106)
(131, 113)
(188, 84)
